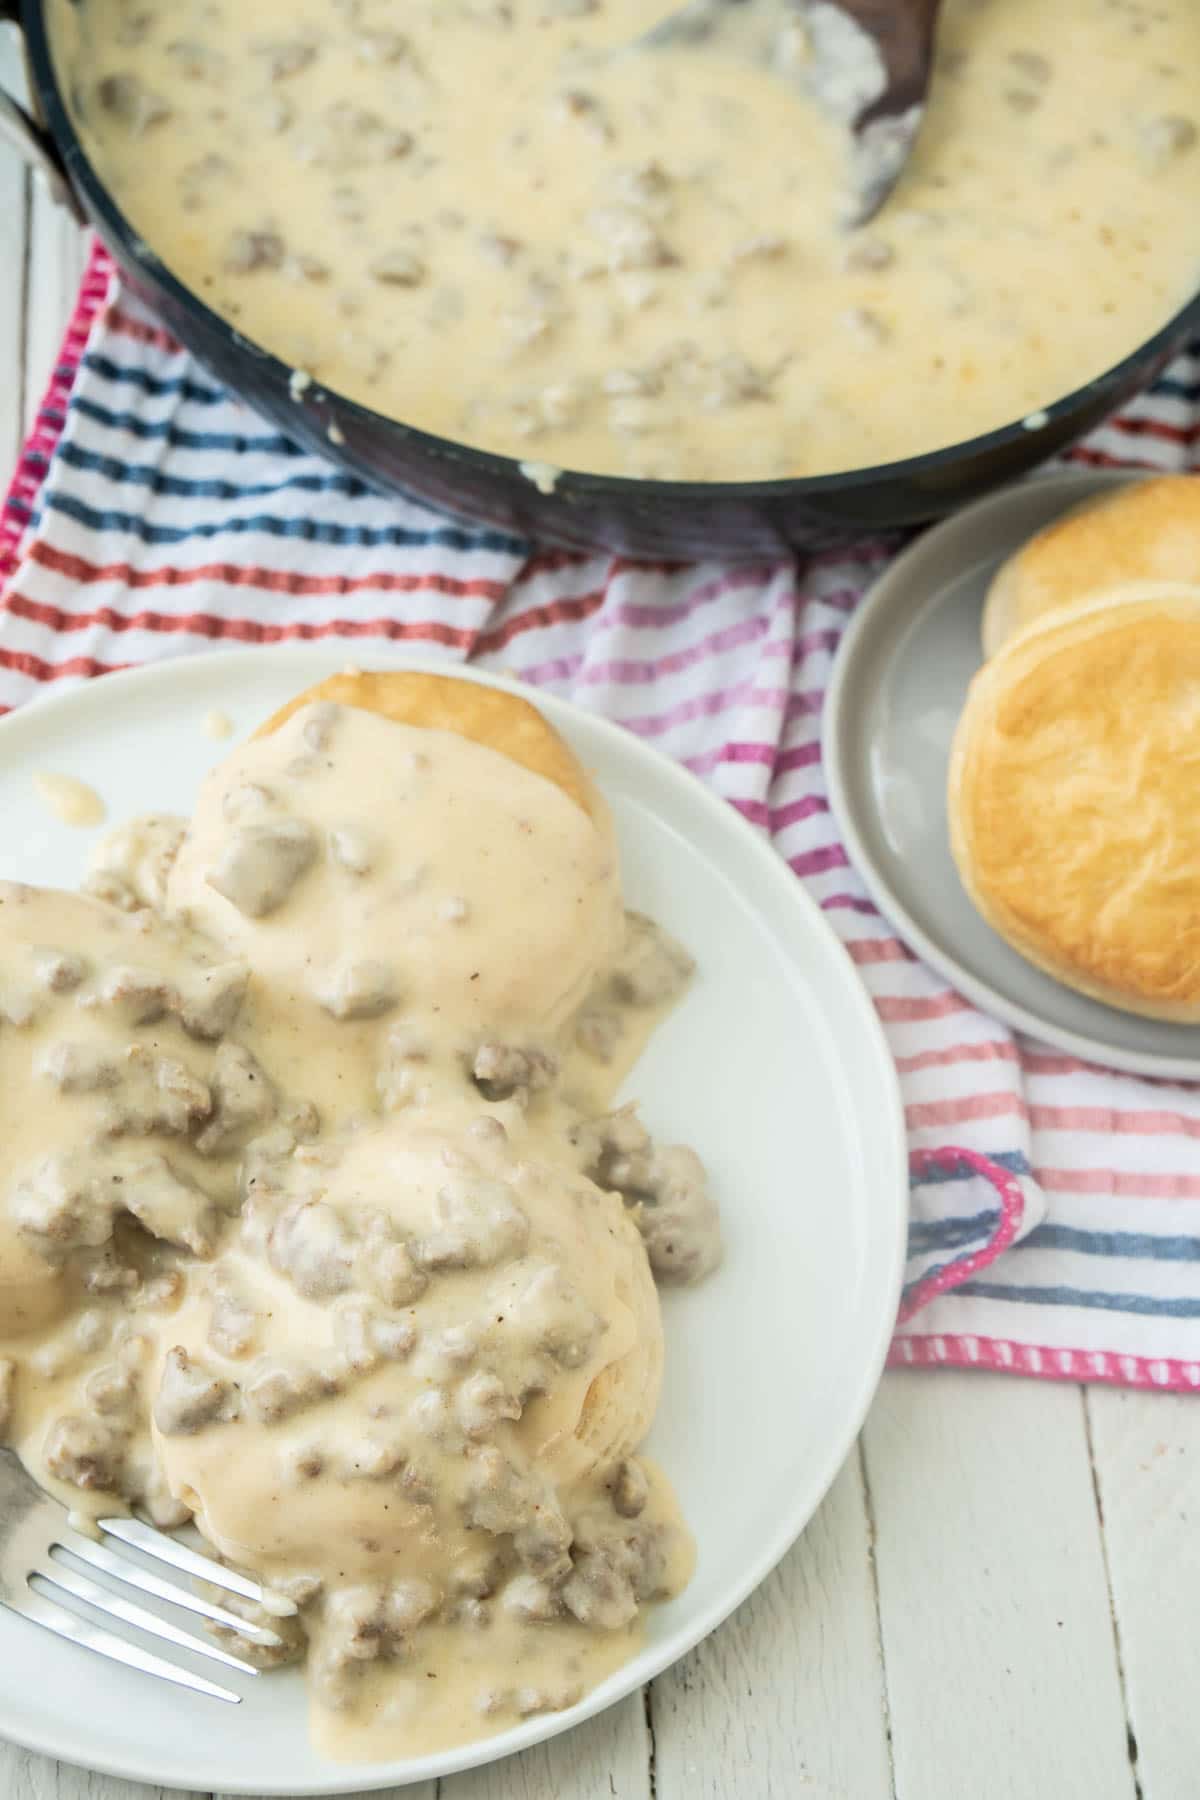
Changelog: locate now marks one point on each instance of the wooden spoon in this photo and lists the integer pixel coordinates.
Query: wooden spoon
(869, 64)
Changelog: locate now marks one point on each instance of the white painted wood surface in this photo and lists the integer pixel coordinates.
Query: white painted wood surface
(999, 1600)
(54, 264)
(790, 1691)
(14, 209)
(1146, 1454)
(994, 1605)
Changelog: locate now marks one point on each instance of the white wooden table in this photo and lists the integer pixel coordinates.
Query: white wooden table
(999, 1600)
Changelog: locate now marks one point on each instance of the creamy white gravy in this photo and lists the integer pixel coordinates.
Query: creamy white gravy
(72, 801)
(482, 217)
(315, 1226)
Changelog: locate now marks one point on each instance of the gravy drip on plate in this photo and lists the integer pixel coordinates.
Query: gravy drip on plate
(316, 1227)
(479, 217)
(71, 800)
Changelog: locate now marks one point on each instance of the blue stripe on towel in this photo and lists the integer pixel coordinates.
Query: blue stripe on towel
(184, 487)
(935, 1176)
(949, 1234)
(1177, 390)
(152, 385)
(1150, 1305)
(312, 531)
(1148, 1246)
(235, 443)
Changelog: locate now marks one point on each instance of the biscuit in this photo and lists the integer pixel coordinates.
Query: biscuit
(494, 717)
(1149, 531)
(1072, 797)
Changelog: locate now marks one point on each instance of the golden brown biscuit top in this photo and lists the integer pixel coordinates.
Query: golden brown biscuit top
(1073, 795)
(499, 720)
(1149, 530)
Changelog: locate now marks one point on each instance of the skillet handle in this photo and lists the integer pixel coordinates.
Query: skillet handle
(21, 131)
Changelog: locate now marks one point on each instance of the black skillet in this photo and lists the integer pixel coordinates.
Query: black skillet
(649, 519)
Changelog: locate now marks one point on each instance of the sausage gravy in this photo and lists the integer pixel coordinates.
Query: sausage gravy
(495, 221)
(318, 1229)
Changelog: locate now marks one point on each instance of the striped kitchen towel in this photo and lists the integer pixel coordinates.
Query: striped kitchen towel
(1055, 1223)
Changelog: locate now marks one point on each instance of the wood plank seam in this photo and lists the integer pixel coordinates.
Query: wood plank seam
(869, 1509)
(651, 1746)
(24, 302)
(1118, 1647)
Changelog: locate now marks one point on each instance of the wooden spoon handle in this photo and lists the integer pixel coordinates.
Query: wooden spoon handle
(904, 31)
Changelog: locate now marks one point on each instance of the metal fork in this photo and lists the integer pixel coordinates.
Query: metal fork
(35, 1532)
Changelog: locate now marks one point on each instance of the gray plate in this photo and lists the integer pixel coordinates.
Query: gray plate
(898, 686)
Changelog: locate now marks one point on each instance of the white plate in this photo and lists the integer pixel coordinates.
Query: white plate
(775, 1068)
(897, 690)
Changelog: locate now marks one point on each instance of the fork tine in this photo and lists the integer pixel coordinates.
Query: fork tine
(57, 1574)
(64, 1624)
(144, 1537)
(124, 1569)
